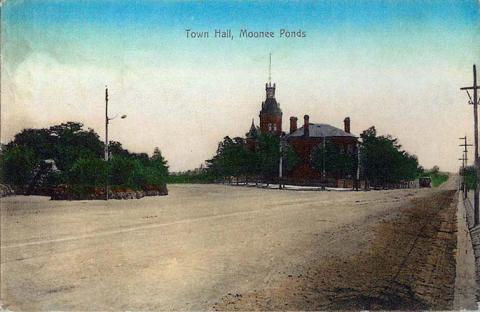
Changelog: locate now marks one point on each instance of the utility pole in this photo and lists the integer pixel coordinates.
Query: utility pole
(106, 140)
(357, 177)
(474, 102)
(464, 186)
(107, 120)
(464, 164)
(280, 165)
(324, 171)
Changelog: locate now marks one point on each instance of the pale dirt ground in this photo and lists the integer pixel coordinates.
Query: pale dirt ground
(187, 250)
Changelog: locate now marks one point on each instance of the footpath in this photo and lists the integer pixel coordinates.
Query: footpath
(467, 257)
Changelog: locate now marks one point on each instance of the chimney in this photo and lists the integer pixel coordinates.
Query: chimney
(306, 128)
(346, 124)
(293, 124)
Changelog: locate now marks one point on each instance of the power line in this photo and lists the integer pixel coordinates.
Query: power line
(474, 100)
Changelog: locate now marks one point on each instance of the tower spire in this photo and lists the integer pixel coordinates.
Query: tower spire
(270, 69)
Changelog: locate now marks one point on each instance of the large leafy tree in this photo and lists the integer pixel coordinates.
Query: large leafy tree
(335, 161)
(70, 142)
(87, 172)
(18, 163)
(383, 161)
(234, 159)
(78, 155)
(268, 155)
(157, 168)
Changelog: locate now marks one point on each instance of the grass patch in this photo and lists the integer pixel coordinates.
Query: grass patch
(186, 178)
(438, 178)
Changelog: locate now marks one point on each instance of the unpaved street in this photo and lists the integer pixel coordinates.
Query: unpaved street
(224, 247)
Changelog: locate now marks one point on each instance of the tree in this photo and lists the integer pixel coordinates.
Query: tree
(121, 171)
(70, 142)
(157, 168)
(290, 158)
(333, 160)
(268, 155)
(383, 161)
(87, 172)
(232, 159)
(18, 163)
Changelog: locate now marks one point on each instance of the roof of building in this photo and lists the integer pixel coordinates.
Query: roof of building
(271, 106)
(253, 132)
(320, 130)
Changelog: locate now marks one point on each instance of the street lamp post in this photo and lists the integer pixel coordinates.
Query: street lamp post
(357, 174)
(324, 170)
(107, 120)
(280, 163)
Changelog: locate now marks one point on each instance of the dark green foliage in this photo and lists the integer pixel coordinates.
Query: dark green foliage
(470, 177)
(290, 158)
(382, 160)
(337, 163)
(234, 159)
(78, 155)
(87, 171)
(86, 174)
(155, 168)
(192, 176)
(17, 164)
(268, 155)
(123, 171)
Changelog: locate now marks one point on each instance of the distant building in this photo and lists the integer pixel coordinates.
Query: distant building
(304, 140)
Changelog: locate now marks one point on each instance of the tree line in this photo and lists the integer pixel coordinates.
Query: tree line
(382, 161)
(234, 160)
(69, 155)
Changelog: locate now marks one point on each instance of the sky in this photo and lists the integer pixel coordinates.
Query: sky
(397, 65)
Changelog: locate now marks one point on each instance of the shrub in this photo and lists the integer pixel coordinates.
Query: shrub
(87, 171)
(18, 164)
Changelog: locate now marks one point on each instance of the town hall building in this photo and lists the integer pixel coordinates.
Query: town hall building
(304, 140)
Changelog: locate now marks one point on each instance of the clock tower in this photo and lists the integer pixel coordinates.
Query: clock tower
(271, 114)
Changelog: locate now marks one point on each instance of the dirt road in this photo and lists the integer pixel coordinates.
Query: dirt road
(212, 246)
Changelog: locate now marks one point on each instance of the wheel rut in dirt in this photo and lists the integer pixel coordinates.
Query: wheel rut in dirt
(408, 265)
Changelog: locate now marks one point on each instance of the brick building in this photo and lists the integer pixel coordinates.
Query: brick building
(304, 140)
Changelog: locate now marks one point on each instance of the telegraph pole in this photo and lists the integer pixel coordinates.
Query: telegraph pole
(464, 164)
(357, 176)
(280, 165)
(106, 140)
(107, 120)
(474, 102)
(464, 186)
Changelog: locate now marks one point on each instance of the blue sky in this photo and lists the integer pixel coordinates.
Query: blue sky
(393, 64)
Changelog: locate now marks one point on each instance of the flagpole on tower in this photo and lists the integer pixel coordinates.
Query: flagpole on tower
(270, 69)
